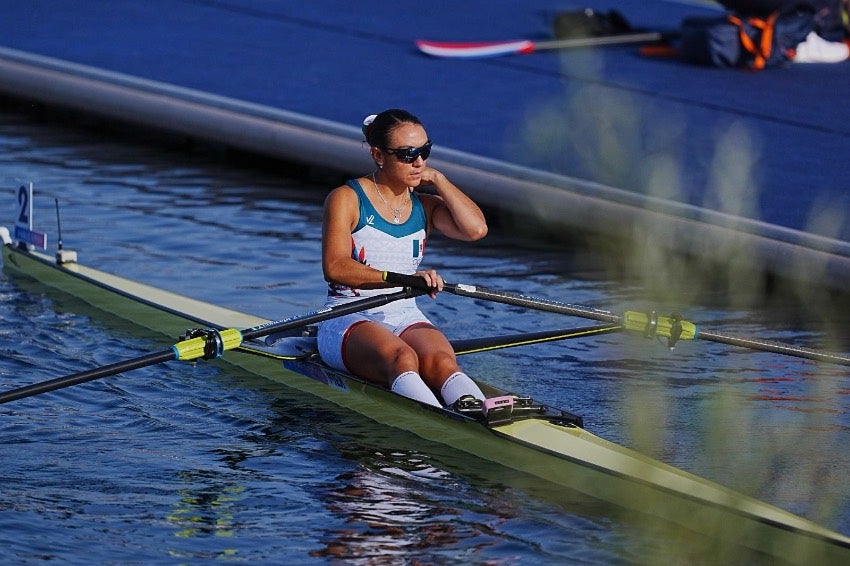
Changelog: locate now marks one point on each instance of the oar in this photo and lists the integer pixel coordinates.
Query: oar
(211, 344)
(292, 346)
(671, 327)
(480, 49)
(475, 345)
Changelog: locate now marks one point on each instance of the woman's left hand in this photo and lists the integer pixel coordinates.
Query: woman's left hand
(433, 279)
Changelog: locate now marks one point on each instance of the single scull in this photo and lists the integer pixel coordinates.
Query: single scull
(511, 430)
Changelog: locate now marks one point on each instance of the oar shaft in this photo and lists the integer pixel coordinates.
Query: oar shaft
(531, 302)
(474, 345)
(507, 298)
(330, 312)
(620, 39)
(84, 376)
(775, 347)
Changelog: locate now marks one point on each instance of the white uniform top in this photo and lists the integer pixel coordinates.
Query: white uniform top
(382, 245)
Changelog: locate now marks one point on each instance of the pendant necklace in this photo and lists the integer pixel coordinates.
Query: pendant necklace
(396, 211)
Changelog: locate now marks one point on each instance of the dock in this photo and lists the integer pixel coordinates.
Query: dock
(733, 166)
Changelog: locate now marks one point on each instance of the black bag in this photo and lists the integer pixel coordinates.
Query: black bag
(590, 23)
(744, 42)
(712, 42)
(831, 16)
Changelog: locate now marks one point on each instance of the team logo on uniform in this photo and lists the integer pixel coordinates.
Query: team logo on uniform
(418, 252)
(418, 248)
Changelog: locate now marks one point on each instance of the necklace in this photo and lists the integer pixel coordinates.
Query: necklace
(396, 211)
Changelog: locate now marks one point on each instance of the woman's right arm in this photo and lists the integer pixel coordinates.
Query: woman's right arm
(340, 217)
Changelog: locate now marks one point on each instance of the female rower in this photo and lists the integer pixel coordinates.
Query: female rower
(380, 222)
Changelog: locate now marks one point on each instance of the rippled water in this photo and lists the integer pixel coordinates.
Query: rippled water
(193, 463)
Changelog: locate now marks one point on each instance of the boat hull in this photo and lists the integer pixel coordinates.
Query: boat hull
(549, 447)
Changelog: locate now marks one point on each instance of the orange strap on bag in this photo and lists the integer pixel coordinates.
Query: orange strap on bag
(760, 52)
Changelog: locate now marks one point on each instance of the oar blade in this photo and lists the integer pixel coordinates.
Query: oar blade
(474, 50)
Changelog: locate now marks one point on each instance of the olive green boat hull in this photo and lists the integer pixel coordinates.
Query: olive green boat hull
(560, 453)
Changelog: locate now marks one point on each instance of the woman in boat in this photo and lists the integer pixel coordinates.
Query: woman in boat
(380, 222)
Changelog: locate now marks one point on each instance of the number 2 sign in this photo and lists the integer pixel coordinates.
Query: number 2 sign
(23, 224)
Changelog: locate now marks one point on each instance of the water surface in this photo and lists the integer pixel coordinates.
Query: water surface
(200, 462)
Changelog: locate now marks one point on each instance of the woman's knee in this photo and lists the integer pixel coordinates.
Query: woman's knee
(401, 356)
(373, 352)
(438, 363)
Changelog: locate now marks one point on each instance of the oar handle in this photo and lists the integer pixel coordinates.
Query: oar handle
(402, 280)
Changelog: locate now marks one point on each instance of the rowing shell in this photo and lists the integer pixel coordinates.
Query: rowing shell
(521, 434)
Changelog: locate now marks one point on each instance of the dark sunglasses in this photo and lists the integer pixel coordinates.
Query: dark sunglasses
(409, 154)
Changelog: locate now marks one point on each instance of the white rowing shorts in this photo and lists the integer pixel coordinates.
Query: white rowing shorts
(395, 317)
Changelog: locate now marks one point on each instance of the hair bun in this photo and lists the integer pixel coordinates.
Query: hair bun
(368, 122)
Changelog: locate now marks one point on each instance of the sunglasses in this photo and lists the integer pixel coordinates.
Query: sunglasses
(410, 154)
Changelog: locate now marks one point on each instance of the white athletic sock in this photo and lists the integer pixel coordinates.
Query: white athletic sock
(457, 385)
(410, 385)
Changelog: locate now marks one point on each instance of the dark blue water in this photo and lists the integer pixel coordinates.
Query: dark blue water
(183, 463)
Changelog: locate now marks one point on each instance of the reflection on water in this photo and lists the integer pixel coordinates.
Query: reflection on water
(386, 518)
(204, 510)
(390, 503)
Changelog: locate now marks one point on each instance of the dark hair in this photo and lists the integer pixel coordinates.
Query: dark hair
(378, 131)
